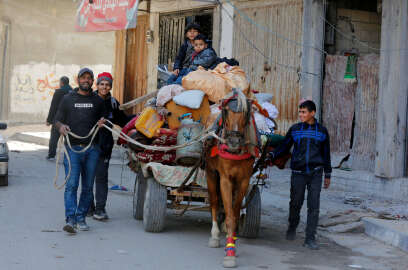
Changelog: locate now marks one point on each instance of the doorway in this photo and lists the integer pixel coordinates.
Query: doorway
(172, 28)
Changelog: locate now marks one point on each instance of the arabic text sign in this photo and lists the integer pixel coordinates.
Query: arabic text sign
(106, 15)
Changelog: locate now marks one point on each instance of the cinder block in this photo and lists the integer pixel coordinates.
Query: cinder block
(342, 12)
(360, 16)
(375, 18)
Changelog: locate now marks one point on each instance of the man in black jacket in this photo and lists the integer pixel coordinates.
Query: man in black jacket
(64, 89)
(118, 117)
(310, 158)
(78, 113)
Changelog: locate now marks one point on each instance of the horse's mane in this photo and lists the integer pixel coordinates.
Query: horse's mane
(242, 105)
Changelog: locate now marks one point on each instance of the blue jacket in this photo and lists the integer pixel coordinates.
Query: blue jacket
(206, 58)
(311, 148)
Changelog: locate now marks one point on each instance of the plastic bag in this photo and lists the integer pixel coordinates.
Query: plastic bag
(207, 81)
(233, 75)
(166, 93)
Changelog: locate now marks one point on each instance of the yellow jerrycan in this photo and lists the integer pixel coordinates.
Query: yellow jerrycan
(149, 122)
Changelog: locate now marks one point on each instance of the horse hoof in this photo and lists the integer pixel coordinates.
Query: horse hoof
(214, 243)
(229, 262)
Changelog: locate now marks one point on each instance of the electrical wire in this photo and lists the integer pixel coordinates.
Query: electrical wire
(267, 29)
(292, 68)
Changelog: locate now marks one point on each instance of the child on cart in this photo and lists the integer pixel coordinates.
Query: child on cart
(203, 56)
(183, 58)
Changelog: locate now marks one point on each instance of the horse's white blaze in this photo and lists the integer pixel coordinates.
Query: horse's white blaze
(215, 231)
(235, 127)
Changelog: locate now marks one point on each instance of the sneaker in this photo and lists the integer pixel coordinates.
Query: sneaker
(100, 215)
(290, 234)
(50, 158)
(311, 244)
(69, 227)
(82, 226)
(91, 211)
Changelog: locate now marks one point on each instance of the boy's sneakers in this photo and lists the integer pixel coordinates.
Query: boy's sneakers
(311, 244)
(100, 215)
(82, 226)
(291, 234)
(69, 227)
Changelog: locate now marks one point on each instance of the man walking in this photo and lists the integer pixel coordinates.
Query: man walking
(64, 89)
(310, 157)
(118, 117)
(79, 111)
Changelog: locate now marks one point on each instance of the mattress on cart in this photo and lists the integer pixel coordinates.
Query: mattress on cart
(173, 176)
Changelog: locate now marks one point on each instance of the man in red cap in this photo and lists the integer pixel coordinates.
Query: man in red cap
(118, 117)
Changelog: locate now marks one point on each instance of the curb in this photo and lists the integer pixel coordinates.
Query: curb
(24, 137)
(388, 231)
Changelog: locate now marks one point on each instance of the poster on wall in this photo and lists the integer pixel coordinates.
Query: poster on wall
(106, 15)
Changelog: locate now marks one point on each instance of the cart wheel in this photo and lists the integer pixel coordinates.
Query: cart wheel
(250, 222)
(4, 180)
(139, 194)
(155, 205)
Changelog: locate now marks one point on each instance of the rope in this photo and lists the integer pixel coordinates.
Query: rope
(92, 133)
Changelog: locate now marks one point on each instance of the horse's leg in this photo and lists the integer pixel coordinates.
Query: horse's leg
(226, 192)
(214, 241)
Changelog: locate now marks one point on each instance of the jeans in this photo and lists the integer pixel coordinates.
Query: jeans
(83, 164)
(54, 137)
(101, 183)
(174, 79)
(299, 183)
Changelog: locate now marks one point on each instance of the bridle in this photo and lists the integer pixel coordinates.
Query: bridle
(234, 139)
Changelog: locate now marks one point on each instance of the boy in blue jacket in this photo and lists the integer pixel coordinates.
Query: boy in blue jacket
(310, 158)
(183, 58)
(203, 56)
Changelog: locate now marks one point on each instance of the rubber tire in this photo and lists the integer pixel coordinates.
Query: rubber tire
(250, 222)
(4, 180)
(139, 194)
(155, 206)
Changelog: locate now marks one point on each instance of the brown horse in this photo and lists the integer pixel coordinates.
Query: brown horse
(229, 173)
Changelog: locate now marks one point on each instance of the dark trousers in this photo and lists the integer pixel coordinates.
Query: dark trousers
(173, 79)
(54, 137)
(101, 183)
(299, 183)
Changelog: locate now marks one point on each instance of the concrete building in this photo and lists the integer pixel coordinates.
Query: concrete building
(38, 45)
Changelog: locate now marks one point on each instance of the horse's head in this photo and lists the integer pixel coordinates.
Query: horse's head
(236, 112)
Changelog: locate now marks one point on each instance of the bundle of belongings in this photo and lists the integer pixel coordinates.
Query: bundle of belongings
(179, 113)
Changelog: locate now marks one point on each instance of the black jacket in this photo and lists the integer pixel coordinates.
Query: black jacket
(116, 116)
(311, 148)
(183, 58)
(56, 100)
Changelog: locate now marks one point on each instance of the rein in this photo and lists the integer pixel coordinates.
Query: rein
(92, 134)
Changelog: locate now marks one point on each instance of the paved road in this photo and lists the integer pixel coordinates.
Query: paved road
(32, 215)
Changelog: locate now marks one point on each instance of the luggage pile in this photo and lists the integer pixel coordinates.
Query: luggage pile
(180, 113)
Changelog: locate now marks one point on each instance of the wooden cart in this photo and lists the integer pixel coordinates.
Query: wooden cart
(151, 201)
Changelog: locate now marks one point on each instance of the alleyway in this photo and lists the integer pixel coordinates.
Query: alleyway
(31, 214)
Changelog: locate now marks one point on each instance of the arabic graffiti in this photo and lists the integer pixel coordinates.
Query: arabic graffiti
(49, 82)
